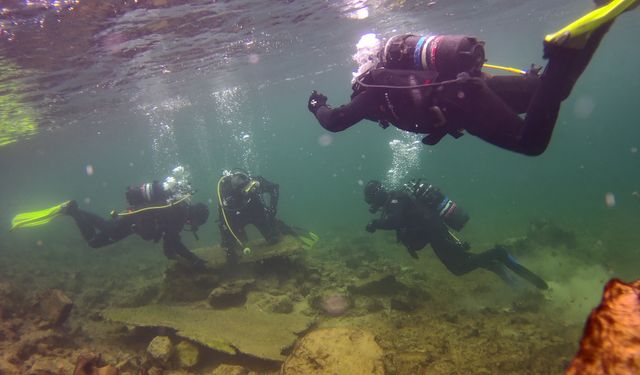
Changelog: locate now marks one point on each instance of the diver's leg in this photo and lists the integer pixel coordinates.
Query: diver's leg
(496, 122)
(95, 230)
(515, 91)
(267, 227)
(500, 254)
(566, 65)
(451, 251)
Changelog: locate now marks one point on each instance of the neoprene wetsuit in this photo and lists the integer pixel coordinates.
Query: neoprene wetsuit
(161, 224)
(417, 226)
(487, 107)
(242, 209)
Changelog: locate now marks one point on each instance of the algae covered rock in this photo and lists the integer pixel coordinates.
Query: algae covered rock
(224, 369)
(233, 293)
(276, 304)
(250, 331)
(335, 351)
(215, 256)
(160, 348)
(187, 354)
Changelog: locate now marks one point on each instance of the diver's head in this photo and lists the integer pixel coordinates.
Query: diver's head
(374, 193)
(198, 214)
(367, 52)
(238, 180)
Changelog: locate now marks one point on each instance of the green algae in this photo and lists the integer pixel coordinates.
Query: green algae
(249, 331)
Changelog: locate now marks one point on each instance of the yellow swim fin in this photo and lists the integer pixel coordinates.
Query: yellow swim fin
(36, 218)
(576, 34)
(308, 240)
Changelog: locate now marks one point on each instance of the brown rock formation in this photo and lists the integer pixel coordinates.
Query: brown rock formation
(55, 306)
(611, 340)
(335, 351)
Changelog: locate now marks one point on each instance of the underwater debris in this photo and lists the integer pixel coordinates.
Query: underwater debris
(257, 333)
(611, 340)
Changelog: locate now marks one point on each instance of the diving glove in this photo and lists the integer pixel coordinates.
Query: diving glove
(316, 100)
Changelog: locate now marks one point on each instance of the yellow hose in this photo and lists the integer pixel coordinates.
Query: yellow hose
(505, 68)
(224, 217)
(154, 207)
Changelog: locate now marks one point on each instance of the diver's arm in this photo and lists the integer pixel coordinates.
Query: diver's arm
(272, 189)
(393, 215)
(172, 246)
(345, 116)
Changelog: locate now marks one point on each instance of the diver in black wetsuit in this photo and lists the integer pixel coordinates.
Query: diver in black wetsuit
(433, 85)
(241, 202)
(158, 211)
(420, 215)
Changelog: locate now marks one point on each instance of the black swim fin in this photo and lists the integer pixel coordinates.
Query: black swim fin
(523, 272)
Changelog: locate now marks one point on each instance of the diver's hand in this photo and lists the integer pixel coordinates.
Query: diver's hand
(316, 100)
(270, 212)
(371, 227)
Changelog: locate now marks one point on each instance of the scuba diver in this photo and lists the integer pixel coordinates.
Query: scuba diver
(241, 201)
(157, 211)
(421, 215)
(434, 85)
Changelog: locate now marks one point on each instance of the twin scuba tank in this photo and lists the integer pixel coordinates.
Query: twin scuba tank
(447, 55)
(452, 214)
(172, 189)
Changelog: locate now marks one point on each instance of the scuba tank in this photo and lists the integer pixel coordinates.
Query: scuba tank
(448, 55)
(452, 214)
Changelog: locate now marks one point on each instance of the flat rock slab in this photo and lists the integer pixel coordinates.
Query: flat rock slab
(249, 331)
(215, 256)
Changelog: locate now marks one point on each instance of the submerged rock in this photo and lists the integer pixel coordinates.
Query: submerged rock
(216, 258)
(160, 349)
(88, 364)
(611, 340)
(187, 354)
(54, 306)
(248, 330)
(275, 304)
(224, 369)
(37, 342)
(335, 351)
(379, 284)
(230, 294)
(11, 300)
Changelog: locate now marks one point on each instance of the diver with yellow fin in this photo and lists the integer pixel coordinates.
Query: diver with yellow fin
(157, 211)
(241, 201)
(434, 85)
